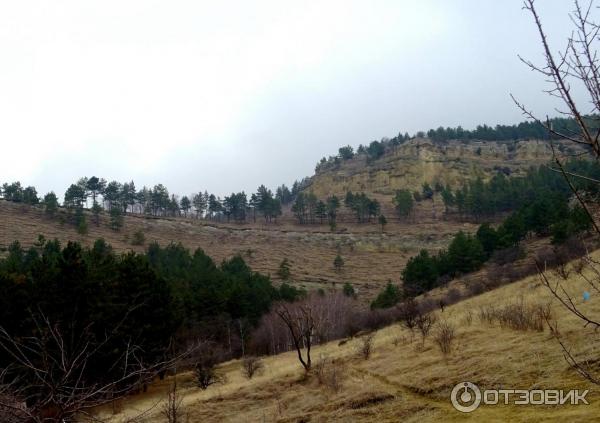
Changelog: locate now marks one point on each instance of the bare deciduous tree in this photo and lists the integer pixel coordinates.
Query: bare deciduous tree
(46, 380)
(424, 322)
(444, 337)
(205, 360)
(334, 314)
(578, 65)
(251, 365)
(172, 409)
(302, 323)
(407, 314)
(366, 346)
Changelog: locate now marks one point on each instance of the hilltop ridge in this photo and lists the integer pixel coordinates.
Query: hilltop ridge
(419, 160)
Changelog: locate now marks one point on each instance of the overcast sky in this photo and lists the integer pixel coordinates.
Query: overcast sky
(226, 95)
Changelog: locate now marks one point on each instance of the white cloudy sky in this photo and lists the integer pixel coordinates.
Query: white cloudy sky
(226, 95)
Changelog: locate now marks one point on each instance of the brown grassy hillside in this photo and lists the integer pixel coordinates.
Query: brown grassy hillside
(311, 249)
(404, 380)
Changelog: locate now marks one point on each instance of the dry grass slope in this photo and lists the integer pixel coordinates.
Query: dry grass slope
(310, 249)
(403, 381)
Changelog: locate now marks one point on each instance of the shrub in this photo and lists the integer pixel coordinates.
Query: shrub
(475, 287)
(517, 316)
(96, 210)
(452, 297)
(50, 204)
(404, 203)
(513, 273)
(487, 314)
(82, 226)
(520, 316)
(407, 314)
(508, 255)
(205, 375)
(366, 346)
(387, 298)
(251, 365)
(348, 290)
(420, 273)
(376, 319)
(426, 192)
(284, 269)
(204, 366)
(398, 340)
(444, 337)
(138, 238)
(468, 319)
(465, 254)
(338, 262)
(571, 249)
(329, 373)
(172, 410)
(116, 218)
(427, 305)
(424, 322)
(332, 225)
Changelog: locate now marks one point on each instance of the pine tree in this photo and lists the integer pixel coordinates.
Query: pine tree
(321, 211)
(382, 221)
(333, 204)
(50, 204)
(200, 202)
(284, 269)
(128, 196)
(427, 192)
(403, 201)
(186, 204)
(81, 222)
(13, 192)
(96, 210)
(116, 217)
(30, 196)
(299, 208)
(448, 198)
(112, 193)
(348, 290)
(75, 197)
(389, 297)
(346, 153)
(338, 263)
(95, 186)
(253, 203)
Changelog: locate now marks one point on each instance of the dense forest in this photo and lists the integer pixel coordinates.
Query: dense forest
(478, 200)
(84, 326)
(540, 204)
(87, 320)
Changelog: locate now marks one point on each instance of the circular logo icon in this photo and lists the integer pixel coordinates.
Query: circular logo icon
(466, 397)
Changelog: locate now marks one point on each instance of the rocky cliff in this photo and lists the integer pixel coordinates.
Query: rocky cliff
(411, 164)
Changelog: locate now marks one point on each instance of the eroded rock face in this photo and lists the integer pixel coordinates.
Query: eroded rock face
(420, 160)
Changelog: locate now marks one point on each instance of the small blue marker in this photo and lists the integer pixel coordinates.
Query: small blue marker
(586, 296)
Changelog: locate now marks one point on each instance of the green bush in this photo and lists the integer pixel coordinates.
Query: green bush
(389, 297)
(138, 238)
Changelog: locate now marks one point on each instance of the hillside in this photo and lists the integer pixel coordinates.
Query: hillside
(311, 249)
(420, 160)
(402, 379)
